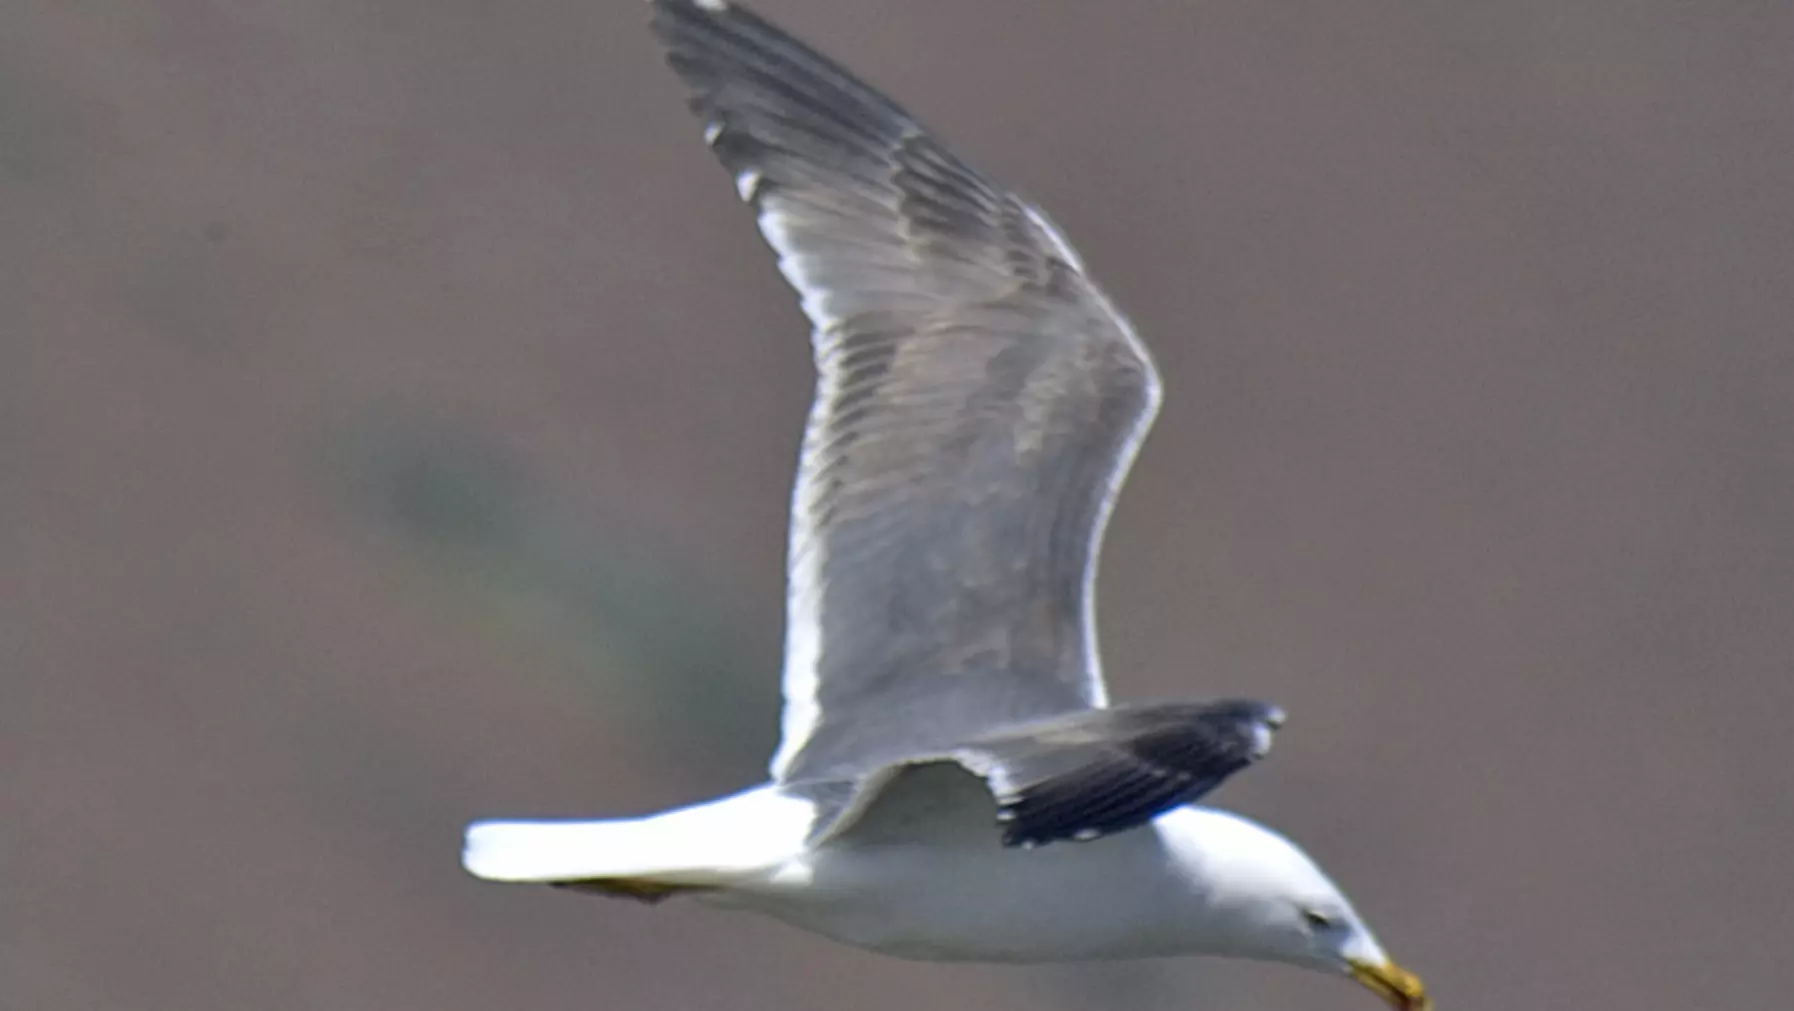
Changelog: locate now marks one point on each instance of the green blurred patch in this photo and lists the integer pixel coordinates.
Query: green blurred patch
(632, 616)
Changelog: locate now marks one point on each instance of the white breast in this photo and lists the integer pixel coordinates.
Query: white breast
(1126, 896)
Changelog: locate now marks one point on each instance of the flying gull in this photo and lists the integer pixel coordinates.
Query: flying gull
(952, 782)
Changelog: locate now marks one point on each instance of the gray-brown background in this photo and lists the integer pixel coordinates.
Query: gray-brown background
(397, 412)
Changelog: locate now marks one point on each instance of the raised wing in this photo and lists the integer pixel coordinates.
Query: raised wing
(978, 403)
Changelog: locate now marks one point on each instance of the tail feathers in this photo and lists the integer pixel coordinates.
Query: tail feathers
(710, 845)
(549, 851)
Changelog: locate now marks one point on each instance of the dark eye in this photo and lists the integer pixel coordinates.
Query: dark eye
(1318, 920)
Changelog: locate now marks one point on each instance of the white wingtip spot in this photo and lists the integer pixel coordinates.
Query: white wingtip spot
(748, 184)
(713, 5)
(1261, 741)
(711, 132)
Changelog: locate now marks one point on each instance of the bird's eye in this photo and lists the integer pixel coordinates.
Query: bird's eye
(1318, 920)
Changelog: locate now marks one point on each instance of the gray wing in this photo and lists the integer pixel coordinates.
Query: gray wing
(978, 403)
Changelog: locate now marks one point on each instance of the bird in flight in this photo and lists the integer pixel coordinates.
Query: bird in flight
(952, 781)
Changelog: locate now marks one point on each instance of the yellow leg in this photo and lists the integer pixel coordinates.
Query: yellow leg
(639, 889)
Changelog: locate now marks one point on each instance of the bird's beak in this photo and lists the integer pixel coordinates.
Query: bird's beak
(1399, 988)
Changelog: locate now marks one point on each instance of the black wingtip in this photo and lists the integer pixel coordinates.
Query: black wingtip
(1111, 770)
(770, 103)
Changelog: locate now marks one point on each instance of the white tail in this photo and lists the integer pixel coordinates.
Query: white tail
(549, 851)
(709, 844)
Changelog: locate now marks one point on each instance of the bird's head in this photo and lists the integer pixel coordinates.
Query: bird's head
(1275, 904)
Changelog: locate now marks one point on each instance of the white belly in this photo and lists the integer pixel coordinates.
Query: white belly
(1126, 896)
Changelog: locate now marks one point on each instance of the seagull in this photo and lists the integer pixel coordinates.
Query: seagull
(952, 782)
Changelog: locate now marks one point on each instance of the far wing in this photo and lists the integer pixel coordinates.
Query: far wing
(1092, 774)
(1078, 777)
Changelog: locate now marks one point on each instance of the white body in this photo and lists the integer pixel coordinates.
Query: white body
(1185, 884)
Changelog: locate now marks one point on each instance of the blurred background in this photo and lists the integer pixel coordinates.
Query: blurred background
(397, 413)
